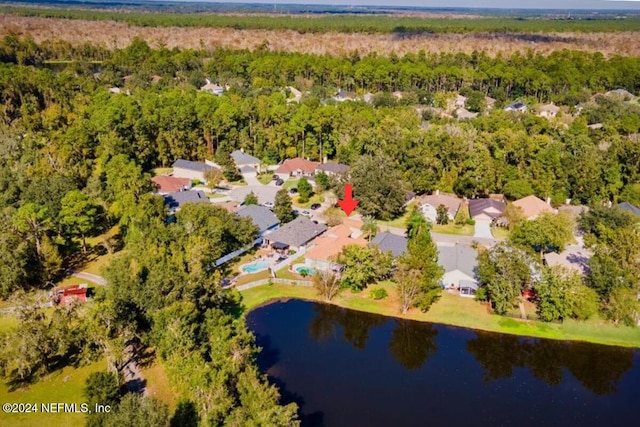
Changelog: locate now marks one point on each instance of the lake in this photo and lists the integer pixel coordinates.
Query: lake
(348, 368)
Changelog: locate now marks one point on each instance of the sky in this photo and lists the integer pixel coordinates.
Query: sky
(506, 4)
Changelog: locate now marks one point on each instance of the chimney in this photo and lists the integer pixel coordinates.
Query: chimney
(324, 160)
(567, 202)
(437, 192)
(548, 201)
(242, 150)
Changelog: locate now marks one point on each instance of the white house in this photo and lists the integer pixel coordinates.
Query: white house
(459, 262)
(429, 205)
(549, 110)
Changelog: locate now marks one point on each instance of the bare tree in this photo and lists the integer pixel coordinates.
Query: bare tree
(327, 283)
(408, 285)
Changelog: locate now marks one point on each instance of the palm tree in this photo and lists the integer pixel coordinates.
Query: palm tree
(370, 227)
(416, 223)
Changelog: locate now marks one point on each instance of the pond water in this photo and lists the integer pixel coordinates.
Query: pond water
(347, 368)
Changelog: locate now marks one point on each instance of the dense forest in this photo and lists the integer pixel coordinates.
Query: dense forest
(347, 22)
(75, 157)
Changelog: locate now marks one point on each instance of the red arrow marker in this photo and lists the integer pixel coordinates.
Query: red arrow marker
(348, 204)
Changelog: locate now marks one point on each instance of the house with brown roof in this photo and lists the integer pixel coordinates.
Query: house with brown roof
(296, 235)
(166, 184)
(532, 207)
(296, 167)
(549, 110)
(429, 205)
(326, 247)
(486, 209)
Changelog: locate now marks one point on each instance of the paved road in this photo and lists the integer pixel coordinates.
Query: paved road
(444, 239)
(98, 280)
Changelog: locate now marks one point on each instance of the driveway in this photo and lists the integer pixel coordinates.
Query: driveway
(251, 179)
(264, 193)
(483, 229)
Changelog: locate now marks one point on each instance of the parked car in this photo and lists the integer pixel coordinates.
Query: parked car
(268, 205)
(275, 178)
(315, 206)
(279, 182)
(293, 190)
(306, 213)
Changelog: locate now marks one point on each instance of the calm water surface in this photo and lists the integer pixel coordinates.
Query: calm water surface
(346, 368)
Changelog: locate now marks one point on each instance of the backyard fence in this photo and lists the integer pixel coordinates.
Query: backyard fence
(274, 281)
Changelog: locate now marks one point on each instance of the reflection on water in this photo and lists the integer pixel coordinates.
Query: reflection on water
(598, 368)
(349, 368)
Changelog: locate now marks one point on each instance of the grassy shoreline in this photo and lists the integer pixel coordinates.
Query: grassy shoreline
(453, 310)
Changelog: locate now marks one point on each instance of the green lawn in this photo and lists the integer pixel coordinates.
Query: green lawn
(500, 233)
(158, 385)
(265, 178)
(400, 222)
(458, 311)
(459, 230)
(290, 183)
(161, 171)
(316, 198)
(215, 195)
(65, 385)
(7, 322)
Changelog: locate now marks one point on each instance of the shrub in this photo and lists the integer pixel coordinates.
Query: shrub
(379, 293)
(481, 294)
(471, 221)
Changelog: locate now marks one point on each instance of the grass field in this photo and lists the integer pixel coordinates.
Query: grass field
(65, 385)
(457, 311)
(459, 230)
(158, 384)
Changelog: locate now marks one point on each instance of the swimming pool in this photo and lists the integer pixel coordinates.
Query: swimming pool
(254, 267)
(304, 270)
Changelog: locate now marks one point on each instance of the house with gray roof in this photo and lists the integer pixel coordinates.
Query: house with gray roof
(332, 168)
(459, 263)
(245, 161)
(391, 242)
(626, 206)
(178, 199)
(261, 216)
(191, 170)
(295, 235)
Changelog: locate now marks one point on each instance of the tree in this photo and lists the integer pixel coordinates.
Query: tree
(442, 213)
(251, 199)
(322, 181)
(138, 411)
(514, 215)
(561, 295)
(599, 221)
(369, 227)
(378, 186)
(408, 285)
(101, 388)
(282, 207)
(416, 223)
(505, 271)
(304, 190)
(363, 265)
(229, 168)
(213, 177)
(517, 189)
(79, 216)
(327, 283)
(34, 221)
(547, 233)
(630, 193)
(623, 306)
(422, 255)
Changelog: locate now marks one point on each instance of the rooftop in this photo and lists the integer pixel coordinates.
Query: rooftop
(298, 232)
(178, 199)
(626, 206)
(333, 167)
(391, 242)
(459, 257)
(292, 165)
(190, 165)
(170, 184)
(261, 216)
(332, 242)
(533, 206)
(451, 202)
(242, 158)
(489, 207)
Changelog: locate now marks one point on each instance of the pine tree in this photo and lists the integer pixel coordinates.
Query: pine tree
(282, 207)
